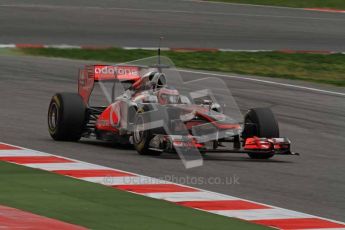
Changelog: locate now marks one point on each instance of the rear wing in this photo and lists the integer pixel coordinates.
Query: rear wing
(95, 73)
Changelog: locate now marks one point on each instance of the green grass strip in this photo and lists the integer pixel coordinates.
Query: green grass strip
(319, 68)
(99, 207)
(336, 4)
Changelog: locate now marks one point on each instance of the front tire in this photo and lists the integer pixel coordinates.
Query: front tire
(142, 137)
(66, 117)
(260, 122)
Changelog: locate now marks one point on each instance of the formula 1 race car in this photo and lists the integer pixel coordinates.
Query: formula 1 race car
(146, 103)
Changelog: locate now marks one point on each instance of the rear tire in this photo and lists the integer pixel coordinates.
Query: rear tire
(260, 122)
(66, 117)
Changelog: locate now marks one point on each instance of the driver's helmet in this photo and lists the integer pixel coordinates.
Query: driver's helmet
(159, 80)
(150, 75)
(155, 80)
(168, 96)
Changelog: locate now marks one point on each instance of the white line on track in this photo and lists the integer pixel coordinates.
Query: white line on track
(7, 46)
(265, 81)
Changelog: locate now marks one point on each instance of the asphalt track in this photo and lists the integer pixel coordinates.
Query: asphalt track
(314, 121)
(183, 23)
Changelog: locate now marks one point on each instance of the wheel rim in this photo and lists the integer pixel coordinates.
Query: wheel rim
(53, 116)
(139, 130)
